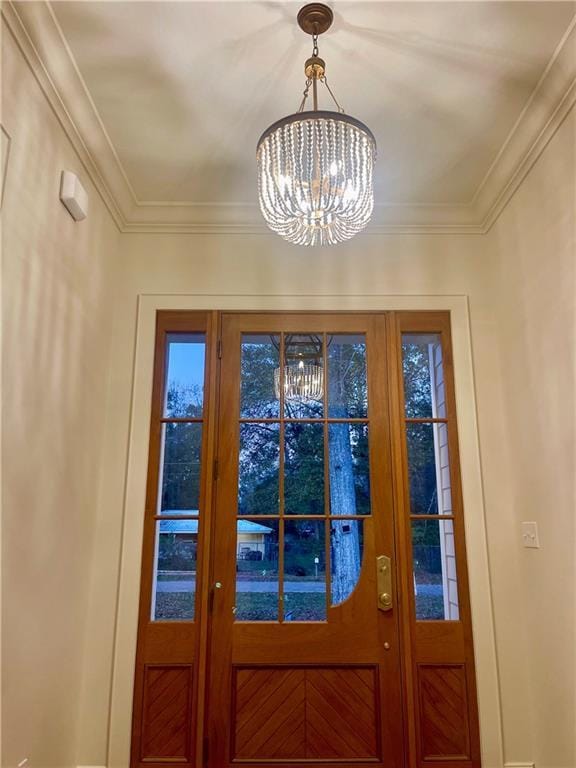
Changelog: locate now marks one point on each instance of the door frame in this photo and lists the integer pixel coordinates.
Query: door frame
(135, 484)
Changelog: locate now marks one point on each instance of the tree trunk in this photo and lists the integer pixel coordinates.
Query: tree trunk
(345, 539)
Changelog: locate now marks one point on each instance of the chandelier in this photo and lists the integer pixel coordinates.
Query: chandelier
(303, 373)
(315, 166)
(302, 381)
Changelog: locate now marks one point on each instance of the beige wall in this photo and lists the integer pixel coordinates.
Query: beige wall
(534, 262)
(63, 524)
(57, 299)
(236, 267)
(495, 273)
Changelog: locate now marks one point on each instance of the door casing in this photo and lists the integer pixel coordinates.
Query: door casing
(424, 636)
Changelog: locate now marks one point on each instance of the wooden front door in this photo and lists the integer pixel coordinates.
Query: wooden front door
(304, 590)
(305, 661)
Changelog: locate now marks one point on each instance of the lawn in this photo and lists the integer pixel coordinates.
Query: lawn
(179, 606)
(251, 606)
(175, 606)
(254, 606)
(429, 607)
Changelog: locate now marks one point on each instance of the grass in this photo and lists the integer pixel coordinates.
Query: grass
(264, 607)
(179, 606)
(429, 607)
(174, 606)
(180, 577)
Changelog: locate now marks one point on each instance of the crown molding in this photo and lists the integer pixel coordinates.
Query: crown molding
(37, 42)
(46, 50)
(548, 105)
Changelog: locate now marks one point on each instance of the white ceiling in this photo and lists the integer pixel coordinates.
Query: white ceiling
(184, 89)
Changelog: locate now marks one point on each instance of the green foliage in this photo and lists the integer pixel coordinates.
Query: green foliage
(181, 471)
(417, 390)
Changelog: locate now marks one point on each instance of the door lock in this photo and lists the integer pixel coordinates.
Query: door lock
(384, 582)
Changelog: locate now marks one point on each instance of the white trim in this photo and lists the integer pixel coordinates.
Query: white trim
(44, 46)
(506, 765)
(28, 39)
(519, 765)
(135, 485)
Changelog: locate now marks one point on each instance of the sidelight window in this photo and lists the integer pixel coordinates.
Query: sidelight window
(177, 514)
(429, 479)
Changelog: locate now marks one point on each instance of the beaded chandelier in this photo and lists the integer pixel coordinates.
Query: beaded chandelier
(315, 167)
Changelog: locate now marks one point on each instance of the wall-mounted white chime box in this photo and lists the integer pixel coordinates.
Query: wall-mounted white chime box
(73, 195)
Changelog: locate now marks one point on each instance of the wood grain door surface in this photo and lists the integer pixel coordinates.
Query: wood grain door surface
(304, 690)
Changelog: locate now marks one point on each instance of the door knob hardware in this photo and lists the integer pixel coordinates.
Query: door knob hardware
(384, 582)
(386, 646)
(385, 599)
(218, 585)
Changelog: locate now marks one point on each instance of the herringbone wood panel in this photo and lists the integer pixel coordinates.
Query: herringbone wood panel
(166, 716)
(444, 711)
(326, 713)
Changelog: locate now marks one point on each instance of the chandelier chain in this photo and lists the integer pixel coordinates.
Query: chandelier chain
(325, 81)
(314, 44)
(305, 95)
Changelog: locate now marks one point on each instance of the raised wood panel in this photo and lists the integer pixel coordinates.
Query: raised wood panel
(269, 716)
(166, 713)
(341, 709)
(305, 713)
(444, 724)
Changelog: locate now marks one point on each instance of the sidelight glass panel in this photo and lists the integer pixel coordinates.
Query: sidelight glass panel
(303, 376)
(180, 468)
(347, 384)
(429, 469)
(435, 580)
(304, 469)
(349, 469)
(184, 390)
(257, 570)
(424, 394)
(304, 570)
(346, 548)
(259, 366)
(259, 462)
(174, 588)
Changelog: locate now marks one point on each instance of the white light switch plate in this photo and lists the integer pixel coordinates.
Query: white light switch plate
(530, 536)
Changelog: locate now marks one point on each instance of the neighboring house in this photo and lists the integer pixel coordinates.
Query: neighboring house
(252, 543)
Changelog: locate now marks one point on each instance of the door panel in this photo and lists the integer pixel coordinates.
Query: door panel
(312, 679)
(168, 674)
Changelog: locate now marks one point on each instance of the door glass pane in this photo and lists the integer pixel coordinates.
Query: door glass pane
(180, 468)
(184, 390)
(435, 581)
(347, 386)
(303, 376)
(304, 469)
(429, 469)
(174, 588)
(304, 570)
(259, 368)
(258, 470)
(346, 546)
(257, 570)
(349, 469)
(424, 394)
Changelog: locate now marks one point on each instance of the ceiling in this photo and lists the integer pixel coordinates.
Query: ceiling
(184, 89)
